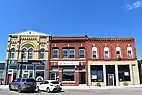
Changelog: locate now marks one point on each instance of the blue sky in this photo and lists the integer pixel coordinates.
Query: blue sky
(98, 18)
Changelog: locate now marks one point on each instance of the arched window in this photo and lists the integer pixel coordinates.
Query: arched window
(106, 52)
(94, 52)
(30, 53)
(42, 52)
(12, 53)
(118, 52)
(129, 52)
(23, 54)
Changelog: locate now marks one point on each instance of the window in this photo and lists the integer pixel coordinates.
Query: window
(40, 67)
(97, 73)
(30, 67)
(68, 73)
(129, 52)
(82, 53)
(68, 53)
(106, 53)
(68, 76)
(12, 53)
(23, 55)
(54, 53)
(41, 74)
(42, 52)
(124, 73)
(30, 53)
(71, 53)
(94, 52)
(118, 52)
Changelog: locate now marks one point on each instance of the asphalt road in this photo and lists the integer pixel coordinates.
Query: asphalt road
(126, 91)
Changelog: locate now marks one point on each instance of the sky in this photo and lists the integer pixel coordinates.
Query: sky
(95, 18)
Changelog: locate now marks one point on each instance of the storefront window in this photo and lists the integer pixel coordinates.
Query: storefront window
(13, 67)
(54, 76)
(124, 73)
(40, 67)
(97, 73)
(68, 73)
(68, 76)
(30, 67)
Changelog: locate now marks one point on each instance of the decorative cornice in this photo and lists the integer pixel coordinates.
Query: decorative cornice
(110, 39)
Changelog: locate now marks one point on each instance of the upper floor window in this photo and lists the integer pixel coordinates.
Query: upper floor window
(68, 53)
(118, 52)
(55, 53)
(12, 53)
(94, 52)
(23, 54)
(30, 53)
(106, 52)
(42, 53)
(129, 52)
(82, 52)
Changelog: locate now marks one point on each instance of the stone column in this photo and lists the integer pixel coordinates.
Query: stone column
(76, 76)
(116, 75)
(131, 73)
(104, 74)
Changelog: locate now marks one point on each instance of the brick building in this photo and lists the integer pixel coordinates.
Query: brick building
(112, 62)
(68, 60)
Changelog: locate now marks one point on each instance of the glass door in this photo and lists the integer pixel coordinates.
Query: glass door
(110, 79)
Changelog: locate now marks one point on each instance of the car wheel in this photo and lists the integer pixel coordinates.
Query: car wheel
(47, 90)
(19, 90)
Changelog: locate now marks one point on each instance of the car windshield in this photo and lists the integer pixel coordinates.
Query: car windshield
(55, 82)
(30, 80)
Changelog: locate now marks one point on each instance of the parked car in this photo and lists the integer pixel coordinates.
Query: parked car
(23, 84)
(49, 86)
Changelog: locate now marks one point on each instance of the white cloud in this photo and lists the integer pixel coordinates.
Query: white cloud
(134, 5)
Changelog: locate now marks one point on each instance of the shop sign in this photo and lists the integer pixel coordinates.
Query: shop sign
(68, 63)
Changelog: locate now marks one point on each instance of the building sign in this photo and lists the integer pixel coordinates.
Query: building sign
(68, 63)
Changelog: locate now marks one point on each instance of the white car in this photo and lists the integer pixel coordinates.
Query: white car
(49, 86)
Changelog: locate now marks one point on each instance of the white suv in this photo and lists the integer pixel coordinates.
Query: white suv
(49, 86)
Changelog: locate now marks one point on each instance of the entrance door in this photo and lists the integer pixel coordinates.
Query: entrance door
(82, 78)
(110, 79)
(9, 79)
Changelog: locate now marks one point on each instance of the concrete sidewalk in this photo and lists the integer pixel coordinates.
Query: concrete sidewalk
(87, 87)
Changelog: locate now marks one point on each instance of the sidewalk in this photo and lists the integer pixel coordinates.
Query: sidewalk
(87, 87)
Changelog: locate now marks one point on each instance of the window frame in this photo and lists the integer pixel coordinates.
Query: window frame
(12, 53)
(42, 53)
(106, 49)
(30, 53)
(82, 54)
(94, 55)
(54, 54)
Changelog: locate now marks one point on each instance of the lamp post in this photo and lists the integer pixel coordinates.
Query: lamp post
(21, 64)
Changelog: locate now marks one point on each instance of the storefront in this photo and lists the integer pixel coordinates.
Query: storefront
(30, 69)
(2, 73)
(113, 73)
(68, 72)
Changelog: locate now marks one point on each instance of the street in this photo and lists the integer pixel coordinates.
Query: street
(126, 91)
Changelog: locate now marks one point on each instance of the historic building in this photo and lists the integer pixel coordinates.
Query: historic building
(112, 62)
(27, 55)
(68, 60)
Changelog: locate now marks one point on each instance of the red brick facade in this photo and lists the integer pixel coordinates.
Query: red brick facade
(111, 43)
(87, 43)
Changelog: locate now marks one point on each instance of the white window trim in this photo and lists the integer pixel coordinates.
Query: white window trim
(118, 49)
(94, 49)
(106, 49)
(130, 49)
(69, 54)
